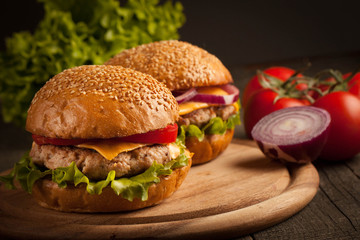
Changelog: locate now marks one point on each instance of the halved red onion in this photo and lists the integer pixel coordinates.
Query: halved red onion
(295, 134)
(184, 96)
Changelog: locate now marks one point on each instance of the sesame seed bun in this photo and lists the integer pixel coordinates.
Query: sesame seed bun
(100, 102)
(177, 64)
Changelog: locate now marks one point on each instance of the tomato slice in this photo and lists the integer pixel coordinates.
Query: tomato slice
(41, 140)
(164, 135)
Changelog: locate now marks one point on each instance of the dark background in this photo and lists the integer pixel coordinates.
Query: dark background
(258, 31)
(243, 31)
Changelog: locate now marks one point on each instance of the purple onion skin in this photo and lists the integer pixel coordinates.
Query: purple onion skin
(302, 152)
(299, 153)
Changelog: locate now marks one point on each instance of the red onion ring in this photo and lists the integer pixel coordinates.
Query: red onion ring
(193, 95)
(219, 99)
(184, 96)
(295, 134)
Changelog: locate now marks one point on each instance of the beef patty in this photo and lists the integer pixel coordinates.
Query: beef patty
(202, 116)
(94, 165)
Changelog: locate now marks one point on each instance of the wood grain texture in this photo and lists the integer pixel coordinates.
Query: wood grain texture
(239, 193)
(334, 213)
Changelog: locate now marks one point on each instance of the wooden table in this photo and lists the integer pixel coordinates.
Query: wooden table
(334, 212)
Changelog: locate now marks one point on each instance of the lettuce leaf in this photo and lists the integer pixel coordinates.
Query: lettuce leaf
(129, 188)
(214, 126)
(78, 32)
(25, 172)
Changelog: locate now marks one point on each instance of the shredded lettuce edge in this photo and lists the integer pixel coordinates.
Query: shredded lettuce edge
(214, 126)
(27, 173)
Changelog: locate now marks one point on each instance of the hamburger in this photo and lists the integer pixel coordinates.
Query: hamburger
(105, 140)
(209, 106)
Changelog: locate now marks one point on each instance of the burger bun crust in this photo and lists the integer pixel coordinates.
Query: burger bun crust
(177, 64)
(211, 146)
(100, 102)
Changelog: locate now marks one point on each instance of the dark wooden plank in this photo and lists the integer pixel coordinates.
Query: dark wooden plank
(319, 220)
(342, 186)
(334, 213)
(355, 166)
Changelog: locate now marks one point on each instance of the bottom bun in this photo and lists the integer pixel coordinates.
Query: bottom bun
(210, 147)
(77, 199)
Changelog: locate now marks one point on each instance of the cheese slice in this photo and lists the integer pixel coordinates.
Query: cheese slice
(237, 106)
(211, 91)
(187, 107)
(109, 148)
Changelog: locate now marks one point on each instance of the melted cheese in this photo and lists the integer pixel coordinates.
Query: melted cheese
(174, 150)
(237, 106)
(188, 107)
(211, 91)
(109, 148)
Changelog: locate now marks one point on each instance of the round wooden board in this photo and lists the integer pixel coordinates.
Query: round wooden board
(238, 193)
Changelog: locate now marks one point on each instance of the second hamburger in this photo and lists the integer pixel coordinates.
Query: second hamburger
(209, 106)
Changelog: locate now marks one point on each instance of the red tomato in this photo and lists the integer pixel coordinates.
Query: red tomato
(262, 103)
(282, 73)
(344, 138)
(41, 140)
(164, 135)
(354, 83)
(322, 87)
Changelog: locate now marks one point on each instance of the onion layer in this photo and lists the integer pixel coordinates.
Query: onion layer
(193, 95)
(295, 134)
(184, 96)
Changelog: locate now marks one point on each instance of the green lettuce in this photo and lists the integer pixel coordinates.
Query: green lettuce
(214, 126)
(26, 172)
(78, 32)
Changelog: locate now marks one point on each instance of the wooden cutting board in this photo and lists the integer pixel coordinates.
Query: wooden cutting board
(238, 193)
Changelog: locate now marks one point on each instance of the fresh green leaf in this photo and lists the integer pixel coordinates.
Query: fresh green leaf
(232, 121)
(8, 180)
(194, 131)
(214, 126)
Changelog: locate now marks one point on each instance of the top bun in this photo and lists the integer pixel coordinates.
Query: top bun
(179, 65)
(100, 102)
